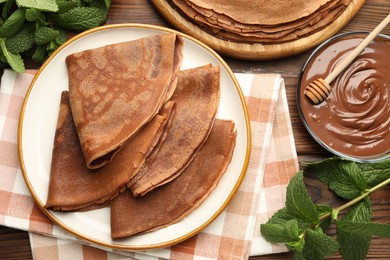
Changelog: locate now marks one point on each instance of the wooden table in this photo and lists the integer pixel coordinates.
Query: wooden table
(14, 244)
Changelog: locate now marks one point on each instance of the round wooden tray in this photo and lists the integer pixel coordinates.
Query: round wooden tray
(256, 51)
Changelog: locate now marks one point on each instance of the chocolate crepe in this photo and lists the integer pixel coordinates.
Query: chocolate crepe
(197, 98)
(116, 89)
(73, 186)
(173, 201)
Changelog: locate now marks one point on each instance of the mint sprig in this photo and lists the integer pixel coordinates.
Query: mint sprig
(33, 29)
(301, 224)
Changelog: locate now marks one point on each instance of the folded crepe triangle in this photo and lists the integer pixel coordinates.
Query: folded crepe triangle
(197, 98)
(73, 186)
(173, 201)
(116, 89)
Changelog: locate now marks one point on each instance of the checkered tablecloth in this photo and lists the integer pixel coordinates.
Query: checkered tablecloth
(234, 234)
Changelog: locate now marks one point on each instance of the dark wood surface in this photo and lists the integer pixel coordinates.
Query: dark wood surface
(14, 244)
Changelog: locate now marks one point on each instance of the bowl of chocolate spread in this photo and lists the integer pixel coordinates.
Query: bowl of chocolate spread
(354, 121)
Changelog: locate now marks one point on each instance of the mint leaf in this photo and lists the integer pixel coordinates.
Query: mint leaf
(21, 41)
(13, 23)
(281, 233)
(44, 35)
(39, 54)
(361, 212)
(326, 168)
(280, 216)
(66, 5)
(372, 173)
(298, 201)
(354, 246)
(104, 5)
(279, 219)
(80, 18)
(375, 173)
(318, 245)
(342, 176)
(7, 8)
(32, 14)
(61, 38)
(14, 60)
(349, 183)
(298, 255)
(365, 228)
(51, 47)
(44, 5)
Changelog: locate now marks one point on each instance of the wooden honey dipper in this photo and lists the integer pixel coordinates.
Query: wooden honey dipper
(319, 89)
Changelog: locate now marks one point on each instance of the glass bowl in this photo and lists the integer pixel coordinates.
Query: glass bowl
(354, 120)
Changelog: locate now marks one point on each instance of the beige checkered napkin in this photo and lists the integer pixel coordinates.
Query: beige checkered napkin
(234, 234)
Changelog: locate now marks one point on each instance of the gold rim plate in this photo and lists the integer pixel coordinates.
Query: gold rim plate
(37, 128)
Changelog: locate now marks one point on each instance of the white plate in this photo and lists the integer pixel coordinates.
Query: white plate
(38, 122)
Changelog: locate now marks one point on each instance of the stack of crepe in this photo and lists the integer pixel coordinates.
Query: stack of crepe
(118, 110)
(134, 131)
(173, 201)
(261, 20)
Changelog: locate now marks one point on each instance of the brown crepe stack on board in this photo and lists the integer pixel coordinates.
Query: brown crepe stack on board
(197, 98)
(261, 20)
(109, 85)
(173, 201)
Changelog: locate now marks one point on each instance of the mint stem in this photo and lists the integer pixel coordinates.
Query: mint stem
(357, 199)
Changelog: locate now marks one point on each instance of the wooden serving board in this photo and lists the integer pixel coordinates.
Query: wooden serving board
(256, 51)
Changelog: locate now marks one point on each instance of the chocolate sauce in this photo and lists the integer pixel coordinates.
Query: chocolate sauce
(355, 118)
